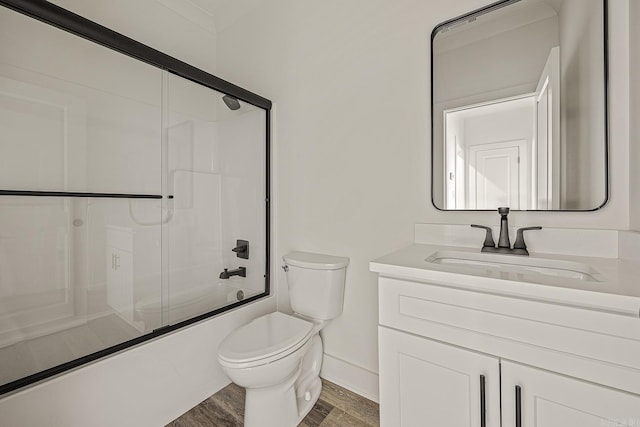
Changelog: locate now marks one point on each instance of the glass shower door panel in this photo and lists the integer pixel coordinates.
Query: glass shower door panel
(75, 116)
(197, 179)
(36, 266)
(242, 136)
(74, 277)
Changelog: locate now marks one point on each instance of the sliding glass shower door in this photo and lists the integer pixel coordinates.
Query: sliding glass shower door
(215, 188)
(124, 191)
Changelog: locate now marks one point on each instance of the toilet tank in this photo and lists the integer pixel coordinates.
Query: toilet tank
(316, 284)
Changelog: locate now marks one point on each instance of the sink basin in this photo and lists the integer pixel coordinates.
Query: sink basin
(517, 264)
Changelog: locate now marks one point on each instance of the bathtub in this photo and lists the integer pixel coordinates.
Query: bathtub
(188, 303)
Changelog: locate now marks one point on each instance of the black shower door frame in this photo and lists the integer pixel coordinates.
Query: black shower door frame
(82, 27)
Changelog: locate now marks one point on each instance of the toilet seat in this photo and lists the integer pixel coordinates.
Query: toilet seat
(264, 340)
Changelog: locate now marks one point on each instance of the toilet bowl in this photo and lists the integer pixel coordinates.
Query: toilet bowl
(277, 357)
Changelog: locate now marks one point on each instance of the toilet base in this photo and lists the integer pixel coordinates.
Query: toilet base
(286, 404)
(274, 406)
(305, 406)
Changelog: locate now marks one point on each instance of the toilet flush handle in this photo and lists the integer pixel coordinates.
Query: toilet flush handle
(285, 268)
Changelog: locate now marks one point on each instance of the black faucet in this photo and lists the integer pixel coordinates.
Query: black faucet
(503, 241)
(504, 244)
(241, 271)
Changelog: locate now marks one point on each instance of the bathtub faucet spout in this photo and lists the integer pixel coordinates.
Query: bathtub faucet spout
(242, 272)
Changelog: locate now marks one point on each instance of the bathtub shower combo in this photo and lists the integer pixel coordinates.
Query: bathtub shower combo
(133, 193)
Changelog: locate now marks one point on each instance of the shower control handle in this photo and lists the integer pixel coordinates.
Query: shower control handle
(242, 249)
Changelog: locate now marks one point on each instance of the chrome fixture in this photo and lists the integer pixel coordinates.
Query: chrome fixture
(504, 244)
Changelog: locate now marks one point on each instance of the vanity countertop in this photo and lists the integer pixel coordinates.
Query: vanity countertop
(617, 292)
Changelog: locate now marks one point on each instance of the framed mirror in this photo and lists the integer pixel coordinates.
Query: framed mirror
(519, 107)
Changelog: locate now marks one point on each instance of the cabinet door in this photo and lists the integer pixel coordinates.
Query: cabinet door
(427, 383)
(553, 400)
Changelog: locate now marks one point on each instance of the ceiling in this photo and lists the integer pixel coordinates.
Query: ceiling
(226, 12)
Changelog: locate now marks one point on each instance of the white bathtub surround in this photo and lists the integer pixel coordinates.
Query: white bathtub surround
(191, 302)
(146, 386)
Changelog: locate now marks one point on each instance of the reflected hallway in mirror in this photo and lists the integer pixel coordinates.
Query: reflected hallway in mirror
(519, 107)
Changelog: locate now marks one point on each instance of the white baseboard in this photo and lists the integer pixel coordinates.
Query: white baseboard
(352, 377)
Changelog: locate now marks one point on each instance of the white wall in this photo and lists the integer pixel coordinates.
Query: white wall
(350, 84)
(351, 80)
(634, 114)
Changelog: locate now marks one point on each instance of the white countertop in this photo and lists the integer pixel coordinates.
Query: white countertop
(619, 292)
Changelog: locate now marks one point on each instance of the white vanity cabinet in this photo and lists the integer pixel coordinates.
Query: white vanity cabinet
(571, 366)
(551, 400)
(427, 383)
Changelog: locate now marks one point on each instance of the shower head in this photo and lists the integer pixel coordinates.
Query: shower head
(231, 102)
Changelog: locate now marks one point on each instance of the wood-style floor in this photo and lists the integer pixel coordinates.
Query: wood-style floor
(337, 407)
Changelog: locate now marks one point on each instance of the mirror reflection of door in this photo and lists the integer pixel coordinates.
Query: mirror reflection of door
(496, 177)
(488, 150)
(553, 50)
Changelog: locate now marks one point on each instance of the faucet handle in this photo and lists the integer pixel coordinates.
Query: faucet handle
(488, 240)
(520, 244)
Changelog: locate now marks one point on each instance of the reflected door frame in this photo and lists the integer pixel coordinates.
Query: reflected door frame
(456, 185)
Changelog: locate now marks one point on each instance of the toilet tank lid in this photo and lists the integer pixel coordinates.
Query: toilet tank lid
(315, 261)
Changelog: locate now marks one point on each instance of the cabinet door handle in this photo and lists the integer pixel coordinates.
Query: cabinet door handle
(483, 403)
(518, 406)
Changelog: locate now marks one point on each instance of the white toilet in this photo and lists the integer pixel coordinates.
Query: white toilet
(277, 357)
